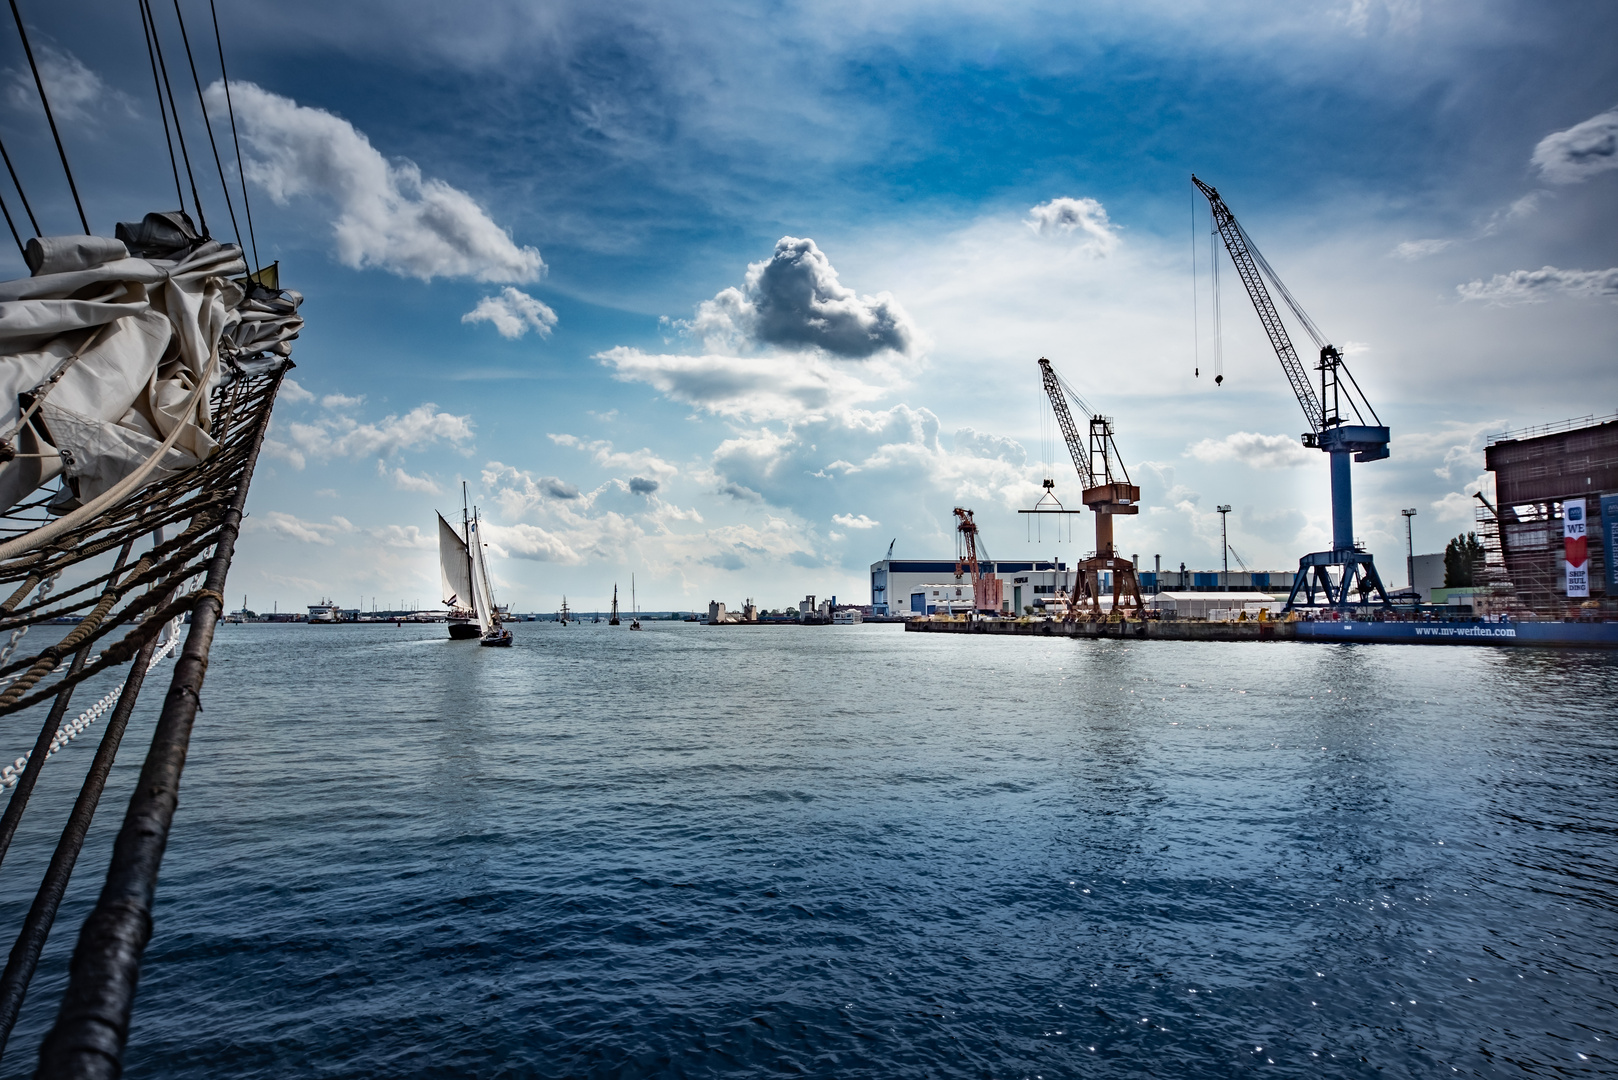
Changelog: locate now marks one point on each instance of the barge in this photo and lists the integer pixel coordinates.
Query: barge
(1536, 633)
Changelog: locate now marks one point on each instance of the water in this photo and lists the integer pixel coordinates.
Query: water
(849, 851)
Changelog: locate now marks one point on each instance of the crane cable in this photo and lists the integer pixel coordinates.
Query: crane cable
(50, 117)
(208, 127)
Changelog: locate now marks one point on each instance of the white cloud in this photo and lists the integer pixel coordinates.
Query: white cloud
(523, 541)
(405, 536)
(292, 390)
(343, 436)
(753, 388)
(979, 444)
(1084, 218)
(1537, 286)
(341, 401)
(275, 448)
(1420, 249)
(794, 300)
(1580, 152)
(387, 215)
(295, 528)
(403, 481)
(641, 461)
(1252, 448)
(855, 521)
(1462, 505)
(513, 314)
(76, 92)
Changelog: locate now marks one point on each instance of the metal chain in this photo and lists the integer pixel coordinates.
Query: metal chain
(10, 647)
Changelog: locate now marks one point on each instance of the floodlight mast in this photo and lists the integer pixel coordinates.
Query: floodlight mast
(1329, 429)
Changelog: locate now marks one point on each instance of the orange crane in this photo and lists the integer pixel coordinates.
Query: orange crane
(986, 587)
(1103, 492)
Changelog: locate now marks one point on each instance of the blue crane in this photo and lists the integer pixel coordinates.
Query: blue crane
(1330, 428)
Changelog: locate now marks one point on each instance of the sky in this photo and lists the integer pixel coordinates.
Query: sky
(730, 296)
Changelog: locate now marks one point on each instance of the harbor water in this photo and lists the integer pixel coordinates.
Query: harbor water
(851, 851)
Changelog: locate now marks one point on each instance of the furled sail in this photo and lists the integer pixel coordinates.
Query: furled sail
(109, 350)
(454, 566)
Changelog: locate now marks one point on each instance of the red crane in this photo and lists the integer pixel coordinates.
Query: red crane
(986, 587)
(1104, 493)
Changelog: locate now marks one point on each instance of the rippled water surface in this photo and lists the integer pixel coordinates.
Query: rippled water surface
(851, 851)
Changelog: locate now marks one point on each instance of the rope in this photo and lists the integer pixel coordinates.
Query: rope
(179, 131)
(10, 647)
(206, 125)
(162, 109)
(18, 185)
(12, 225)
(71, 730)
(230, 108)
(49, 117)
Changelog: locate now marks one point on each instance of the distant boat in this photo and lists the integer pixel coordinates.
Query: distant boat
(613, 620)
(564, 614)
(323, 613)
(634, 604)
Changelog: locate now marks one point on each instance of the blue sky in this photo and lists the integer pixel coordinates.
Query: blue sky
(656, 381)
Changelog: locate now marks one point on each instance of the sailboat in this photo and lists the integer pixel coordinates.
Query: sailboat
(634, 605)
(483, 605)
(455, 569)
(564, 614)
(613, 620)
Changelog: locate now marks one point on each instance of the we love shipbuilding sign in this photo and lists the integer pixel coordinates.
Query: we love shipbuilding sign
(1576, 547)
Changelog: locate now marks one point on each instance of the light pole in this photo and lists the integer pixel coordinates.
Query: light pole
(1224, 546)
(1410, 548)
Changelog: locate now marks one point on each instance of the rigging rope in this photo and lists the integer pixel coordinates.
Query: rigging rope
(1196, 326)
(206, 125)
(230, 108)
(162, 109)
(20, 192)
(12, 225)
(179, 131)
(49, 117)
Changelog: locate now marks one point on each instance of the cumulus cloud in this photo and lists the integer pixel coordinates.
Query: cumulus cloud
(403, 481)
(1083, 219)
(295, 528)
(341, 401)
(513, 314)
(854, 521)
(749, 387)
(794, 300)
(641, 461)
(1420, 249)
(1537, 286)
(387, 215)
(639, 485)
(76, 92)
(292, 390)
(1580, 152)
(344, 436)
(404, 536)
(1252, 448)
(522, 541)
(981, 444)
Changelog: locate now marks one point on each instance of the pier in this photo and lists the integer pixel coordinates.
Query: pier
(1581, 634)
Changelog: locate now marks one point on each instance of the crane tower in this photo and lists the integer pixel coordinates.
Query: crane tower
(1330, 428)
(1103, 492)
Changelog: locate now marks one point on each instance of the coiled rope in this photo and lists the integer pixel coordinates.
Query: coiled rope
(78, 726)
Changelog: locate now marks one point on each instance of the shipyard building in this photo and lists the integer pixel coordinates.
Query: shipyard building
(1557, 493)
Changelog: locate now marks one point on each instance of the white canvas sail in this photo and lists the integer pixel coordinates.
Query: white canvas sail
(454, 566)
(482, 595)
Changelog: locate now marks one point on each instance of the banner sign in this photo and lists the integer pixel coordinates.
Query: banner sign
(1576, 547)
(1609, 533)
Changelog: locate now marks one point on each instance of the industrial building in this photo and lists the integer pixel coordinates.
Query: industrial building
(931, 586)
(1539, 474)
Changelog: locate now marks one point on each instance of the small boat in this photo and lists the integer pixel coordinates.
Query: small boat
(613, 619)
(564, 615)
(498, 637)
(634, 605)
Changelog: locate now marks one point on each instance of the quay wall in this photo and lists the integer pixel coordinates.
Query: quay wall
(1168, 630)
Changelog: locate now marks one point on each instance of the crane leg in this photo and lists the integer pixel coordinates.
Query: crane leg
(1342, 502)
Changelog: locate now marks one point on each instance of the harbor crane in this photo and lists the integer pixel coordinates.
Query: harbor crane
(986, 587)
(1330, 428)
(1103, 492)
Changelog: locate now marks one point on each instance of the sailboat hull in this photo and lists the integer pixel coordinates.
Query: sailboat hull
(464, 631)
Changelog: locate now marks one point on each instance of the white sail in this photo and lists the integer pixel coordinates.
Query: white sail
(454, 566)
(482, 594)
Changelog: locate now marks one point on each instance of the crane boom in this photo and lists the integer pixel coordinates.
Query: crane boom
(1241, 253)
(1076, 445)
